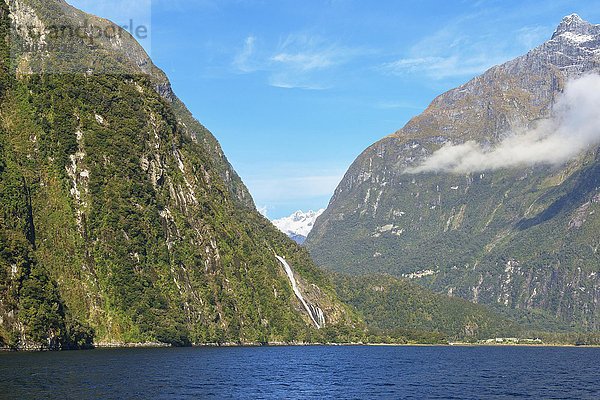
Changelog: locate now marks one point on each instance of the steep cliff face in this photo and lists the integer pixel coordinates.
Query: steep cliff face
(52, 37)
(121, 219)
(523, 237)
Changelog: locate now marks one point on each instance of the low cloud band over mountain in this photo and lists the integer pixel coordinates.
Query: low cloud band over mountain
(573, 127)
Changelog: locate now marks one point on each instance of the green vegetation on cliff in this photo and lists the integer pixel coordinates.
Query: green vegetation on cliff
(523, 239)
(123, 221)
(398, 308)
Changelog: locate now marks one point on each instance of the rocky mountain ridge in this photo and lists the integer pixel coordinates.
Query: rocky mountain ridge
(523, 238)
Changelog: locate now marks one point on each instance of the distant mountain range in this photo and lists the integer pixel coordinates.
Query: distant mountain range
(298, 225)
(492, 194)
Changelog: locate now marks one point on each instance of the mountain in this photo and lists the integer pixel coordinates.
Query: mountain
(492, 194)
(402, 308)
(298, 225)
(121, 220)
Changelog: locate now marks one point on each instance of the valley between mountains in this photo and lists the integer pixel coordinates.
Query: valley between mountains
(123, 223)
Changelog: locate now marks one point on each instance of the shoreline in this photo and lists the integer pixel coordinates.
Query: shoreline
(158, 345)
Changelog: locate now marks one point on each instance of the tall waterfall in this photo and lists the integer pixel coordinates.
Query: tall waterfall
(315, 313)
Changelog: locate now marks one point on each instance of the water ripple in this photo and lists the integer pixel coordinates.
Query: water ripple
(305, 373)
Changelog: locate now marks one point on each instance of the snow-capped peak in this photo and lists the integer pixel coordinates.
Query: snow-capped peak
(573, 18)
(298, 225)
(575, 29)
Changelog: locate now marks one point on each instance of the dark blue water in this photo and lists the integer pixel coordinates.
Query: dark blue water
(305, 373)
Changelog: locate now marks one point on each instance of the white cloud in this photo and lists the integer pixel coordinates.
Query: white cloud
(388, 105)
(298, 61)
(452, 53)
(243, 61)
(573, 127)
(442, 67)
(305, 61)
(285, 81)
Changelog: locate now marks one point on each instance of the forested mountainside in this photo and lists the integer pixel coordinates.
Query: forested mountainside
(454, 202)
(121, 220)
(400, 308)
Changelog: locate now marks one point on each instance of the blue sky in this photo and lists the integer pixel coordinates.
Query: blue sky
(296, 90)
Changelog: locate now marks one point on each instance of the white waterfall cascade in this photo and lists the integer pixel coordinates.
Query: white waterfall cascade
(315, 313)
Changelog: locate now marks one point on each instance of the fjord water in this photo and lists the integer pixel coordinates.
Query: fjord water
(361, 372)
